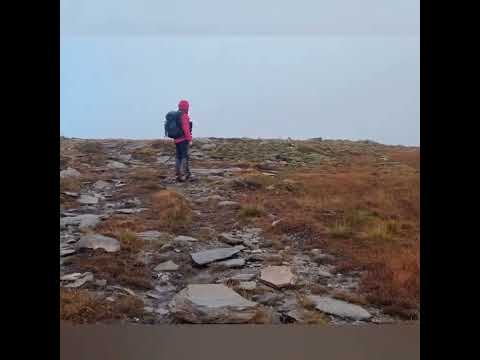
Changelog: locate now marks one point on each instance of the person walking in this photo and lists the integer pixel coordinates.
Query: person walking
(178, 126)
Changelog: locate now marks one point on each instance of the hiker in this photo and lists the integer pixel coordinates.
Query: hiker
(179, 127)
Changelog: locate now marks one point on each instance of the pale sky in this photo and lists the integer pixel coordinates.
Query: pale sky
(337, 69)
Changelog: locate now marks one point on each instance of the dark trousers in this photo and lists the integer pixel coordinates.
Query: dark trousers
(181, 164)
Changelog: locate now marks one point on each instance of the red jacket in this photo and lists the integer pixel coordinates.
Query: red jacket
(183, 107)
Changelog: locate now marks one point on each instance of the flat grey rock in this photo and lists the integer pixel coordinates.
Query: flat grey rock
(88, 200)
(101, 185)
(167, 266)
(339, 308)
(130, 211)
(102, 282)
(151, 235)
(243, 277)
(212, 304)
(324, 273)
(215, 197)
(71, 194)
(232, 263)
(202, 200)
(209, 256)
(228, 204)
(71, 277)
(124, 289)
(154, 295)
(125, 157)
(165, 289)
(184, 239)
(69, 172)
(277, 276)
(296, 315)
(288, 304)
(235, 170)
(84, 221)
(207, 146)
(81, 281)
(69, 213)
(162, 311)
(116, 165)
(162, 292)
(230, 239)
(67, 252)
(96, 241)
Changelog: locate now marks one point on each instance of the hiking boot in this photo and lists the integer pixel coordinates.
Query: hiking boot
(181, 178)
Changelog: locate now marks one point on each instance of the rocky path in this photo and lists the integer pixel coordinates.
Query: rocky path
(218, 272)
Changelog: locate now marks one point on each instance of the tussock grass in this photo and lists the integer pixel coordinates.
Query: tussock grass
(251, 211)
(147, 154)
(70, 184)
(171, 210)
(82, 306)
(340, 229)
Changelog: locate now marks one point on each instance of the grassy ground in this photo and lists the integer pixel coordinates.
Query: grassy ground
(357, 201)
(367, 213)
